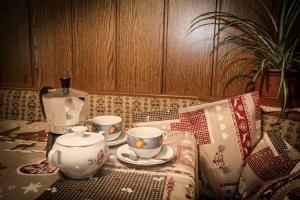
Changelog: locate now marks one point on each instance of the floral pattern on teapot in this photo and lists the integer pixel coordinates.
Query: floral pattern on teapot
(99, 160)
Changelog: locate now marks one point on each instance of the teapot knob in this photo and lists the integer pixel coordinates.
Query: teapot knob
(65, 84)
(79, 130)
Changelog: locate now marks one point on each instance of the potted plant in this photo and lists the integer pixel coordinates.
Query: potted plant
(274, 49)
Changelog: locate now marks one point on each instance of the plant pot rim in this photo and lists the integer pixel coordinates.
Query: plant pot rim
(278, 71)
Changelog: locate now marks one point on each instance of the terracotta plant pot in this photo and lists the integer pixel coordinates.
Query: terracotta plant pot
(268, 86)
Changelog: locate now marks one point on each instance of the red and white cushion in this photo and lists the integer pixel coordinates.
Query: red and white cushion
(226, 131)
(273, 157)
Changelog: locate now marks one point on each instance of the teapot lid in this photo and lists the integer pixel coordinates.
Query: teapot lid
(58, 93)
(79, 138)
(65, 91)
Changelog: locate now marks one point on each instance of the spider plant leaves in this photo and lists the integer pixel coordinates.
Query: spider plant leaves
(284, 95)
(260, 70)
(266, 47)
(270, 15)
(281, 27)
(291, 17)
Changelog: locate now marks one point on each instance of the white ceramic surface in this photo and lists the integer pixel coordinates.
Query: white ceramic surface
(107, 120)
(167, 153)
(80, 154)
(146, 153)
(146, 142)
(112, 137)
(145, 132)
(105, 123)
(120, 140)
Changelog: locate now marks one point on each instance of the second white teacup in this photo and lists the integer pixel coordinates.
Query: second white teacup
(146, 142)
(109, 124)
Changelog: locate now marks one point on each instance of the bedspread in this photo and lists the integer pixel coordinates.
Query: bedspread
(25, 172)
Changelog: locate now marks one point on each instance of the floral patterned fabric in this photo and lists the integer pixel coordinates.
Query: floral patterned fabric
(287, 128)
(272, 158)
(25, 105)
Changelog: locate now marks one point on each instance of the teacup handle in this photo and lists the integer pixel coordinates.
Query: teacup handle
(89, 124)
(165, 135)
(88, 121)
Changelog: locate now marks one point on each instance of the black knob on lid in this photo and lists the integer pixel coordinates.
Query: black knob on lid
(65, 84)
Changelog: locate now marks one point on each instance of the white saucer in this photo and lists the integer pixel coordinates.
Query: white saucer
(120, 140)
(166, 152)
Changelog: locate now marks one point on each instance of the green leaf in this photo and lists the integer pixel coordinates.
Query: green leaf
(270, 15)
(282, 21)
(291, 17)
(272, 48)
(285, 98)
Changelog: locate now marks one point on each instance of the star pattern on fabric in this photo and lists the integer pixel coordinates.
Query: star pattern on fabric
(52, 189)
(11, 187)
(158, 179)
(129, 190)
(32, 187)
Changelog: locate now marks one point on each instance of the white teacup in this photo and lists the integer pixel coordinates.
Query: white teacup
(110, 125)
(146, 142)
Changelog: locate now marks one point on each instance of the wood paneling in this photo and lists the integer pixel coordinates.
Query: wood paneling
(15, 67)
(94, 45)
(51, 41)
(189, 63)
(226, 82)
(140, 42)
(117, 46)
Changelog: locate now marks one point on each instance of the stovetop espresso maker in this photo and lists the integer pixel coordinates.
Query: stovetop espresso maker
(63, 109)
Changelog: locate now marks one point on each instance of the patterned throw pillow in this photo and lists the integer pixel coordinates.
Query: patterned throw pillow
(272, 158)
(226, 131)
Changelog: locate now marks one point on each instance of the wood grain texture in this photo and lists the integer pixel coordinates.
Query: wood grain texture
(226, 83)
(189, 63)
(140, 42)
(94, 45)
(116, 46)
(15, 67)
(51, 41)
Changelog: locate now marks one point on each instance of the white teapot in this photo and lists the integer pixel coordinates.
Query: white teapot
(80, 154)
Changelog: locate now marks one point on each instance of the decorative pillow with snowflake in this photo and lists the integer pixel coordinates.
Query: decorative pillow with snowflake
(272, 158)
(226, 131)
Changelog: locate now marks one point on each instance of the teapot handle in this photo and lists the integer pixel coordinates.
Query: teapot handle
(43, 90)
(52, 160)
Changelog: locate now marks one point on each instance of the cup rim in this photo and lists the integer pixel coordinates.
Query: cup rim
(107, 120)
(130, 132)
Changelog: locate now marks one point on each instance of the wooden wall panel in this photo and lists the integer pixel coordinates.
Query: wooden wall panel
(140, 42)
(226, 82)
(188, 62)
(51, 41)
(94, 45)
(15, 70)
(127, 46)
